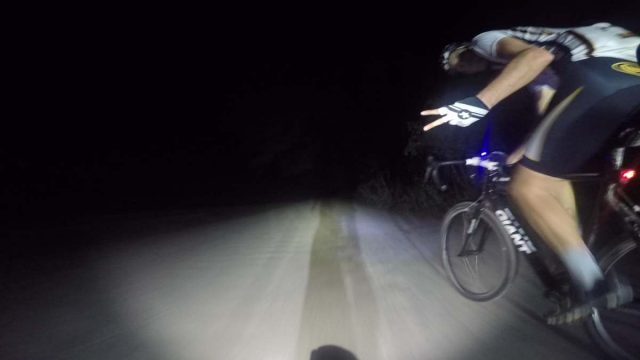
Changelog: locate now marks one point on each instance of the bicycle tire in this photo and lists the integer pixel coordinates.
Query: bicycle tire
(610, 328)
(500, 243)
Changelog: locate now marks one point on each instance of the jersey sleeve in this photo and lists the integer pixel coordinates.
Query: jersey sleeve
(486, 44)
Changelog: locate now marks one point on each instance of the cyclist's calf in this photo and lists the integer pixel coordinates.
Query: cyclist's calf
(548, 205)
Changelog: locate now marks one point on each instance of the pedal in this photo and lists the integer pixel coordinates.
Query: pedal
(561, 302)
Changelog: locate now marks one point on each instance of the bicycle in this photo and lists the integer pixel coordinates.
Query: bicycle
(481, 239)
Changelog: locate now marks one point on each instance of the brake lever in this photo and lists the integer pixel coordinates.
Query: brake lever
(432, 172)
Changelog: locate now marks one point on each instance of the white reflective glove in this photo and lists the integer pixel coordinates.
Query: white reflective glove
(464, 112)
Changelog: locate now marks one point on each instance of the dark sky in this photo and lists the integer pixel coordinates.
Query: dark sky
(229, 105)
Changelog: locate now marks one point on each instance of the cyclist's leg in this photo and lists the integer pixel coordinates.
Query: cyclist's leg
(546, 202)
(542, 200)
(571, 133)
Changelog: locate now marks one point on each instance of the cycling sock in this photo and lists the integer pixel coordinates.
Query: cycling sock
(582, 267)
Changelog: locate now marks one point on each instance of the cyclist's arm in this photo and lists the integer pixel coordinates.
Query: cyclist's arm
(527, 62)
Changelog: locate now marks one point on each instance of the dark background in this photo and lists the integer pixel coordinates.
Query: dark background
(158, 109)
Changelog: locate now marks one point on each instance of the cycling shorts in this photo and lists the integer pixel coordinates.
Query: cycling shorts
(595, 99)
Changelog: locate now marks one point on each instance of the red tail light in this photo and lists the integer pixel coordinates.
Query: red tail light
(627, 175)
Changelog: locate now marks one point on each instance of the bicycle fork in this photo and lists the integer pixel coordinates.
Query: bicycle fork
(471, 221)
(473, 240)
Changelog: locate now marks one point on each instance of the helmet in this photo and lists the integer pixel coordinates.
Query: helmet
(449, 50)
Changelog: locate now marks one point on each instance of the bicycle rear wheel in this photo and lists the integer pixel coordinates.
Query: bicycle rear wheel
(617, 331)
(477, 253)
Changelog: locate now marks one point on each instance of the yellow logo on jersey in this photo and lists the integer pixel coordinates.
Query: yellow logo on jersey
(627, 67)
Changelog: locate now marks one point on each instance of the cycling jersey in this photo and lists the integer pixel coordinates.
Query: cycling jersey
(599, 90)
(598, 40)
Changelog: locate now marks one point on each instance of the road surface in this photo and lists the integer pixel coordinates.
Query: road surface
(269, 283)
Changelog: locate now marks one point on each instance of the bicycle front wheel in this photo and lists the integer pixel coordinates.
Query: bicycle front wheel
(477, 253)
(617, 331)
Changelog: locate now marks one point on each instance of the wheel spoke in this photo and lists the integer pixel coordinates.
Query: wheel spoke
(472, 273)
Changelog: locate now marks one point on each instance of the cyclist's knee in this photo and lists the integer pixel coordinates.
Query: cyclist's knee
(527, 184)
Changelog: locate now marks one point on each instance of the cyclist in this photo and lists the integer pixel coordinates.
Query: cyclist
(598, 89)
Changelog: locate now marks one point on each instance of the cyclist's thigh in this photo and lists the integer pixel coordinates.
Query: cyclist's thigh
(593, 102)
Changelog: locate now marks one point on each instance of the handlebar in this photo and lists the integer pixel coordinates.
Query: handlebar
(433, 167)
(432, 171)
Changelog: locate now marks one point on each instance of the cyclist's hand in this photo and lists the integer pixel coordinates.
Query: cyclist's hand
(462, 113)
